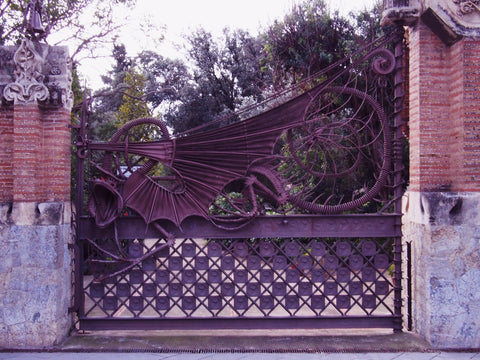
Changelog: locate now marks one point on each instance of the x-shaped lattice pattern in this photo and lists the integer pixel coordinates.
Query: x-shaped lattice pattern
(246, 278)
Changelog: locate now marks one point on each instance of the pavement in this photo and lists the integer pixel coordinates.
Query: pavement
(237, 356)
(242, 344)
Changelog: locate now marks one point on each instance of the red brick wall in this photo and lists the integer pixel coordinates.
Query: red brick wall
(26, 148)
(471, 115)
(34, 154)
(444, 113)
(6, 153)
(54, 172)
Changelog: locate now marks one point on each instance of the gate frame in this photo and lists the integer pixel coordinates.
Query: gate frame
(276, 226)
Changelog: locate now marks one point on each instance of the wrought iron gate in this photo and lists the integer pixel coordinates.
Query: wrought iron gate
(287, 219)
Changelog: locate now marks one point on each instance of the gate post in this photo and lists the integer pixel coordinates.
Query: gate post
(35, 265)
(442, 205)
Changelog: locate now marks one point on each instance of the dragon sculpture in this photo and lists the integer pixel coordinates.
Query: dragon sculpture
(298, 156)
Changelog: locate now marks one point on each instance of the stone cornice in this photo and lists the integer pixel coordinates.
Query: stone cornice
(452, 19)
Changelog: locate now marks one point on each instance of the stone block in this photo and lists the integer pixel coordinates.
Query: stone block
(35, 278)
(50, 213)
(407, 15)
(5, 211)
(42, 74)
(40, 246)
(16, 335)
(468, 285)
(440, 208)
(13, 305)
(3, 332)
(24, 213)
(442, 229)
(32, 213)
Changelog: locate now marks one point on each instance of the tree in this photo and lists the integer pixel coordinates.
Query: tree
(308, 39)
(240, 69)
(367, 24)
(225, 75)
(164, 78)
(134, 104)
(115, 81)
(87, 23)
(220, 76)
(108, 100)
(243, 54)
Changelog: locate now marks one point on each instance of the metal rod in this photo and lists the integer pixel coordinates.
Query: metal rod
(399, 94)
(79, 198)
(409, 287)
(294, 226)
(238, 323)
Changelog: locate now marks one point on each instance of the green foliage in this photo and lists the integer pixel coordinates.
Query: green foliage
(76, 86)
(240, 69)
(164, 77)
(133, 106)
(222, 75)
(226, 75)
(308, 39)
(109, 99)
(367, 24)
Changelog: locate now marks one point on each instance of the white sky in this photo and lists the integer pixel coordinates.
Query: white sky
(181, 16)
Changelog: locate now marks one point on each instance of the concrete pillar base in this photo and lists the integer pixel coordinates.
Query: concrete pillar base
(444, 231)
(35, 274)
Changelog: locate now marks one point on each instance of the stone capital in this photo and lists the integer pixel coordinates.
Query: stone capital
(37, 74)
(452, 19)
(28, 87)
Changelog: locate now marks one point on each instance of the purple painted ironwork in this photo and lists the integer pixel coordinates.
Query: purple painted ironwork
(290, 280)
(398, 170)
(293, 156)
(275, 221)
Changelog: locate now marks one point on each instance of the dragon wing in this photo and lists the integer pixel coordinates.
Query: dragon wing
(204, 163)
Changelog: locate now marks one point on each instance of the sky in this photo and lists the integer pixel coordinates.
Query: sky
(179, 17)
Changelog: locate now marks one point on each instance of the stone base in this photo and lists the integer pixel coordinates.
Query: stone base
(444, 232)
(35, 274)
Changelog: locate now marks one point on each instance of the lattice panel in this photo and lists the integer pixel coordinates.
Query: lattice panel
(198, 278)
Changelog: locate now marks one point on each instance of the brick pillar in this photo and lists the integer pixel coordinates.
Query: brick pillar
(6, 154)
(442, 204)
(27, 131)
(35, 266)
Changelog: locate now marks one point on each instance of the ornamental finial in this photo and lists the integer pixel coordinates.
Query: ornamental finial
(33, 20)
